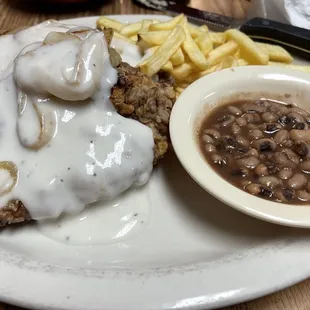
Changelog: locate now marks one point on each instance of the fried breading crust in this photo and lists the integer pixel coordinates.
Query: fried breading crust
(13, 212)
(139, 97)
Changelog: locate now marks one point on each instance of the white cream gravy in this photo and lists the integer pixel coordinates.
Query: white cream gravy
(93, 152)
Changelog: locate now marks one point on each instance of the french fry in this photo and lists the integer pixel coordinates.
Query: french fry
(217, 38)
(167, 25)
(195, 31)
(248, 49)
(242, 62)
(117, 35)
(168, 67)
(305, 69)
(197, 75)
(177, 58)
(154, 37)
(205, 44)
(131, 29)
(192, 49)
(146, 23)
(182, 71)
(275, 52)
(220, 53)
(229, 62)
(204, 28)
(134, 38)
(179, 90)
(164, 52)
(105, 22)
(148, 53)
(190, 52)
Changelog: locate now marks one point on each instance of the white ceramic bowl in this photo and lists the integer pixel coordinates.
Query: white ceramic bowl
(242, 82)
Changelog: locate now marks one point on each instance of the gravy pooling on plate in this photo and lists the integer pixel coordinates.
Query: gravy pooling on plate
(61, 138)
(260, 146)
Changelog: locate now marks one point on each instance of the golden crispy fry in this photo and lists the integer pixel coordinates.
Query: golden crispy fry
(197, 75)
(163, 54)
(295, 67)
(248, 49)
(134, 38)
(275, 52)
(148, 53)
(105, 22)
(205, 44)
(229, 62)
(146, 23)
(194, 31)
(117, 35)
(192, 50)
(167, 25)
(177, 58)
(217, 38)
(180, 90)
(204, 28)
(131, 29)
(168, 67)
(242, 62)
(182, 71)
(220, 53)
(154, 37)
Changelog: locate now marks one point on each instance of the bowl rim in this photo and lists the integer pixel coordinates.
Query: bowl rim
(183, 124)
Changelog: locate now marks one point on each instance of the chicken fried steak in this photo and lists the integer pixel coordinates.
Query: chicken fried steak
(139, 97)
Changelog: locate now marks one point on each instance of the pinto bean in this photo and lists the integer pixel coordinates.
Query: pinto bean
(297, 181)
(269, 181)
(301, 148)
(303, 195)
(252, 152)
(285, 194)
(291, 155)
(241, 121)
(297, 117)
(270, 117)
(249, 162)
(210, 148)
(252, 117)
(303, 135)
(261, 170)
(242, 141)
(305, 166)
(281, 136)
(208, 139)
(264, 145)
(226, 120)
(258, 189)
(213, 133)
(285, 173)
(234, 110)
(236, 129)
(255, 107)
(255, 134)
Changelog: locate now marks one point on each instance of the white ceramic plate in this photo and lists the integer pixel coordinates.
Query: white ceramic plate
(190, 252)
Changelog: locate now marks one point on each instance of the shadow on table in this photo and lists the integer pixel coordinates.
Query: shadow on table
(53, 7)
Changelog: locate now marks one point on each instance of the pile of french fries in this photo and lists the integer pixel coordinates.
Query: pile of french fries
(189, 52)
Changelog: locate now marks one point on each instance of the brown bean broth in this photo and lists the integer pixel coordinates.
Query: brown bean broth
(275, 169)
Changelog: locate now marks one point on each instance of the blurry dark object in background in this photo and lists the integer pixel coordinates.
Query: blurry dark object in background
(155, 4)
(57, 6)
